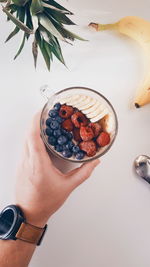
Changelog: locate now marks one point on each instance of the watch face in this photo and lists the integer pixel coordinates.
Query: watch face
(10, 221)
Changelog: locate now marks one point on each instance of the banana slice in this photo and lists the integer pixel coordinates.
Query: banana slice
(88, 105)
(74, 99)
(95, 113)
(64, 100)
(92, 108)
(74, 103)
(99, 116)
(107, 123)
(82, 104)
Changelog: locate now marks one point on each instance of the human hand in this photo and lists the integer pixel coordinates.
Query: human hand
(41, 188)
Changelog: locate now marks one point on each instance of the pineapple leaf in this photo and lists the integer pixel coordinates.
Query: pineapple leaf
(21, 14)
(13, 8)
(44, 19)
(44, 34)
(48, 49)
(61, 18)
(55, 4)
(58, 53)
(17, 22)
(35, 51)
(20, 2)
(35, 22)
(53, 8)
(36, 7)
(28, 17)
(71, 35)
(67, 34)
(29, 23)
(49, 26)
(43, 50)
(53, 44)
(21, 47)
(12, 34)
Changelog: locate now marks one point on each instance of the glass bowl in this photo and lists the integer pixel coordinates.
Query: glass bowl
(57, 97)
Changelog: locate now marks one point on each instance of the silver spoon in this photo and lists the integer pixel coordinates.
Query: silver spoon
(142, 167)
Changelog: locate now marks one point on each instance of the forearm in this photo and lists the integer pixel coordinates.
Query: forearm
(15, 253)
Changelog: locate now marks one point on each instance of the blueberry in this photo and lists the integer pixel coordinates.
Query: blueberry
(53, 113)
(70, 145)
(52, 140)
(80, 155)
(54, 125)
(59, 119)
(49, 131)
(62, 140)
(67, 153)
(57, 106)
(64, 132)
(65, 147)
(69, 135)
(75, 149)
(57, 133)
(48, 121)
(59, 148)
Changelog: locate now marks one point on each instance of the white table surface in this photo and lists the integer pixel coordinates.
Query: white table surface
(106, 221)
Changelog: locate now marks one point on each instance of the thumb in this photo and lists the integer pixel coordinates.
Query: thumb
(82, 173)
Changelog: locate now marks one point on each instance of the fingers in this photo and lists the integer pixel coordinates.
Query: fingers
(82, 173)
(34, 141)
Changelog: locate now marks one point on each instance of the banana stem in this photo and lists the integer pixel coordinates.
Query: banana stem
(103, 27)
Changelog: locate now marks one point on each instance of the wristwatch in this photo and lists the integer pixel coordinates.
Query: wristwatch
(13, 226)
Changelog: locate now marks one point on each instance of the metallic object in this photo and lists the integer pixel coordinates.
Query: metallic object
(142, 167)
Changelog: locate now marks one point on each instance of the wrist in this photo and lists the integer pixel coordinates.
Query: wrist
(33, 218)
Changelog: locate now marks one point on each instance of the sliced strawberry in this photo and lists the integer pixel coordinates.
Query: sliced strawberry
(89, 147)
(86, 133)
(67, 125)
(103, 139)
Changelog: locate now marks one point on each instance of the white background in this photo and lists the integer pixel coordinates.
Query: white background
(106, 221)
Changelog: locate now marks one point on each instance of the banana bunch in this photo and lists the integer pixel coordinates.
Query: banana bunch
(139, 30)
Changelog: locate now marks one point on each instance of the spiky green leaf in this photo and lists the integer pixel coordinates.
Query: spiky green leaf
(21, 14)
(44, 34)
(29, 23)
(20, 2)
(17, 22)
(59, 17)
(13, 8)
(67, 34)
(48, 49)
(56, 49)
(53, 8)
(35, 22)
(43, 50)
(52, 44)
(71, 35)
(35, 51)
(36, 7)
(12, 34)
(55, 4)
(21, 47)
(49, 26)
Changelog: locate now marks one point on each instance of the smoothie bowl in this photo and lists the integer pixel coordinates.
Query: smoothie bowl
(78, 124)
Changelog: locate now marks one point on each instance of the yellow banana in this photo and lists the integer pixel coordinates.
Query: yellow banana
(139, 30)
